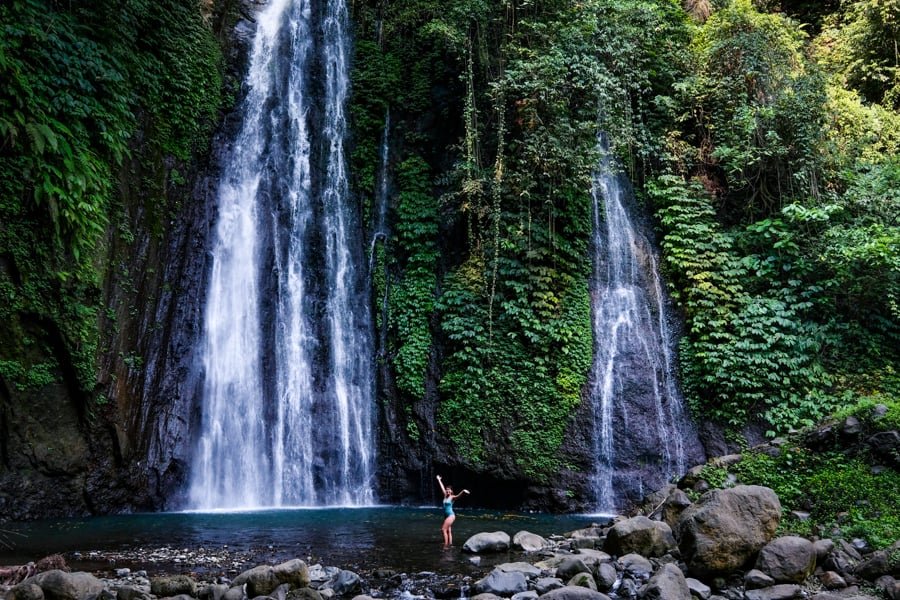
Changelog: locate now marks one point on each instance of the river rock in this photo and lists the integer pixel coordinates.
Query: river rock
(593, 535)
(832, 581)
(755, 579)
(235, 593)
(547, 584)
(529, 542)
(571, 592)
(307, 593)
(59, 585)
(498, 541)
(293, 572)
(889, 586)
(788, 559)
(880, 562)
(636, 565)
(526, 595)
(482, 596)
(526, 569)
(667, 584)
(673, 507)
(344, 583)
(698, 589)
(583, 580)
(606, 576)
(25, 591)
(840, 562)
(784, 591)
(130, 592)
(726, 528)
(823, 549)
(639, 535)
(502, 583)
(570, 567)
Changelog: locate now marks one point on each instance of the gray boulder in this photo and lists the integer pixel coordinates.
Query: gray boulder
(305, 593)
(570, 567)
(527, 595)
(606, 576)
(235, 593)
(636, 565)
(880, 562)
(823, 549)
(25, 591)
(889, 586)
(726, 528)
(639, 535)
(59, 585)
(547, 584)
(832, 581)
(529, 542)
(526, 569)
(788, 559)
(784, 591)
(755, 579)
(265, 579)
(486, 596)
(698, 589)
(673, 507)
(498, 541)
(344, 583)
(293, 572)
(571, 592)
(130, 592)
(667, 584)
(502, 583)
(585, 580)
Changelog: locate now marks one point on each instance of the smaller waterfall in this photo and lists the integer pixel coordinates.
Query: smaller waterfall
(639, 422)
(379, 210)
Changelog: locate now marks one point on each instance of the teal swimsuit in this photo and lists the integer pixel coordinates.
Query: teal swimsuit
(448, 508)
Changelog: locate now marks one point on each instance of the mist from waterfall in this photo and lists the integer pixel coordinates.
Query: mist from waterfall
(288, 408)
(637, 407)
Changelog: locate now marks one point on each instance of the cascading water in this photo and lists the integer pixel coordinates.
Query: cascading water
(641, 434)
(288, 391)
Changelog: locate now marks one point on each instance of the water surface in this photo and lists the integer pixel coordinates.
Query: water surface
(398, 538)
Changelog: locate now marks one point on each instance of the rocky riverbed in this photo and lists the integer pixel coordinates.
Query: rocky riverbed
(722, 547)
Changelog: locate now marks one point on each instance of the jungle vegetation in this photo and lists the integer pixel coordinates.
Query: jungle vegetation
(762, 138)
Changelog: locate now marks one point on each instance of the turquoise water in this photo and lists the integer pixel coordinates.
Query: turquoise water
(399, 538)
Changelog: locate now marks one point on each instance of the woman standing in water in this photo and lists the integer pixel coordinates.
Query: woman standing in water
(449, 517)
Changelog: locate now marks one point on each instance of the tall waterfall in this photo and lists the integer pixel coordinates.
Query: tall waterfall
(641, 434)
(288, 415)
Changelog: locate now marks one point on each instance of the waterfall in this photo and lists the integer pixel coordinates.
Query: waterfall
(288, 415)
(641, 432)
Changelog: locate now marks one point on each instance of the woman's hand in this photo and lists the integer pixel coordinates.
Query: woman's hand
(439, 477)
(466, 492)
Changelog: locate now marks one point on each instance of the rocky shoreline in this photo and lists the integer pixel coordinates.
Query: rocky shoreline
(722, 547)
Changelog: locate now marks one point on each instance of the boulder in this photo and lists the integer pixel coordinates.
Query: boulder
(840, 562)
(130, 592)
(880, 562)
(571, 592)
(674, 506)
(25, 591)
(636, 565)
(59, 585)
(529, 542)
(726, 528)
(583, 580)
(570, 567)
(639, 535)
(307, 593)
(527, 595)
(832, 581)
(788, 559)
(260, 581)
(502, 583)
(293, 572)
(823, 549)
(235, 593)
(344, 583)
(498, 541)
(486, 596)
(526, 569)
(889, 586)
(755, 579)
(784, 591)
(606, 576)
(667, 584)
(698, 589)
(547, 584)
